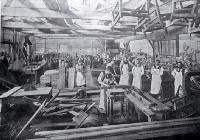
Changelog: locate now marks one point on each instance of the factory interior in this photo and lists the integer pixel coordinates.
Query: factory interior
(99, 69)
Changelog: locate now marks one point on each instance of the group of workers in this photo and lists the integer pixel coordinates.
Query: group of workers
(107, 78)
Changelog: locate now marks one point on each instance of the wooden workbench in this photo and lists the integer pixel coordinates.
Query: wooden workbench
(37, 71)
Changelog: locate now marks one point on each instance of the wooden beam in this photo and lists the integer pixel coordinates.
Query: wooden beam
(136, 131)
(186, 15)
(46, 13)
(154, 124)
(33, 12)
(157, 35)
(22, 25)
(79, 35)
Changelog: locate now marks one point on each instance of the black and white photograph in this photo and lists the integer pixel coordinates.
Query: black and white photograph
(99, 69)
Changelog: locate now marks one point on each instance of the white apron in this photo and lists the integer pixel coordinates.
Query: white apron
(80, 79)
(103, 78)
(137, 74)
(89, 79)
(156, 80)
(124, 78)
(178, 76)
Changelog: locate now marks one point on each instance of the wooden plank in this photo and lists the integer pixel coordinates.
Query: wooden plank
(132, 130)
(10, 92)
(159, 104)
(7, 82)
(33, 12)
(53, 98)
(155, 134)
(186, 15)
(141, 98)
(143, 135)
(53, 124)
(22, 25)
(140, 105)
(111, 127)
(39, 92)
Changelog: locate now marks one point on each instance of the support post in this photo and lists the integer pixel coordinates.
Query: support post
(0, 28)
(154, 53)
(177, 46)
(120, 8)
(105, 47)
(45, 45)
(152, 46)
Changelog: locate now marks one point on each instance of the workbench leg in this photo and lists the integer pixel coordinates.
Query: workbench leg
(107, 106)
(111, 110)
(36, 76)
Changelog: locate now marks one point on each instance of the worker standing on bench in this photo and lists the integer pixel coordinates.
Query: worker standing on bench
(105, 79)
(157, 72)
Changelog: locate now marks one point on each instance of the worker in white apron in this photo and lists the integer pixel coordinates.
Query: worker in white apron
(80, 77)
(178, 76)
(137, 72)
(105, 79)
(124, 70)
(157, 72)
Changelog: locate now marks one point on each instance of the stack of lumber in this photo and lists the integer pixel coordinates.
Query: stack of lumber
(144, 130)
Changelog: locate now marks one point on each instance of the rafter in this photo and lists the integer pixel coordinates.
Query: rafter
(22, 25)
(157, 35)
(33, 12)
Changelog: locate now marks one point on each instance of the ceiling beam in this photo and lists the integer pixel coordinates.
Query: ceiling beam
(33, 12)
(157, 35)
(46, 13)
(22, 25)
(79, 35)
(32, 25)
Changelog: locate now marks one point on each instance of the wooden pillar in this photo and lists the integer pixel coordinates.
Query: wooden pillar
(45, 45)
(154, 52)
(105, 47)
(177, 46)
(153, 47)
(14, 50)
(0, 28)
(120, 8)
